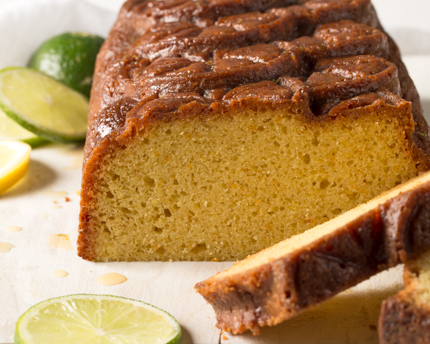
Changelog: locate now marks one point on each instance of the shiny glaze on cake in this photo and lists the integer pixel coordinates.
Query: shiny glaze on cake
(170, 60)
(162, 56)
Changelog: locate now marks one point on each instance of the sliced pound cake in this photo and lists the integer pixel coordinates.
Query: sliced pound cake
(219, 128)
(293, 275)
(405, 318)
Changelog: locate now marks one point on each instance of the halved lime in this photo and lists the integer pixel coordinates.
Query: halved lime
(10, 130)
(43, 105)
(96, 319)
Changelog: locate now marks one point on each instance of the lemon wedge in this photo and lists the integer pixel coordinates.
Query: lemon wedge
(14, 161)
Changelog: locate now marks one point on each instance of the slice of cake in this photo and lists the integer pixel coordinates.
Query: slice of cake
(293, 275)
(405, 318)
(219, 128)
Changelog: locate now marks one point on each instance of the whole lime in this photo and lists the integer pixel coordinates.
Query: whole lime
(69, 58)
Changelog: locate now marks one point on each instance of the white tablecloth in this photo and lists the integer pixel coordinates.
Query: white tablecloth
(26, 271)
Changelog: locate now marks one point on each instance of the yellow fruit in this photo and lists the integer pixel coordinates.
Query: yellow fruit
(14, 161)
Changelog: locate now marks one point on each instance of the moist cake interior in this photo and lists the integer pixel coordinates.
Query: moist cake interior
(224, 187)
(420, 288)
(219, 128)
(287, 246)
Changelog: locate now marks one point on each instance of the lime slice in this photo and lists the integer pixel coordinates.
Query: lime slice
(14, 161)
(69, 58)
(96, 319)
(10, 130)
(43, 105)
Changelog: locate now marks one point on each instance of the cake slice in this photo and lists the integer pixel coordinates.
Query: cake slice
(405, 317)
(219, 128)
(293, 275)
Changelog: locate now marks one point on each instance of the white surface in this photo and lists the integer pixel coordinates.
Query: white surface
(26, 271)
(22, 32)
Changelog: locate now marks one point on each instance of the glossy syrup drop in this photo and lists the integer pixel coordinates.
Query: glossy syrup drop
(60, 273)
(14, 229)
(6, 247)
(111, 279)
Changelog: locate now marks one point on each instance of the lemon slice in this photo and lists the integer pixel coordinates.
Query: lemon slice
(96, 319)
(10, 130)
(14, 160)
(43, 105)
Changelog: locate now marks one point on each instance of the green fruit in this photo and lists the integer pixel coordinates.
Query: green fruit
(10, 130)
(70, 59)
(92, 319)
(42, 105)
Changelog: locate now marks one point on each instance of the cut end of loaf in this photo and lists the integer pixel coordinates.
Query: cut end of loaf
(417, 279)
(223, 187)
(418, 275)
(405, 317)
(282, 281)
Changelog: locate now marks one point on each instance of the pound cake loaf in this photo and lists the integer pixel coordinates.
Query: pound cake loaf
(293, 275)
(405, 317)
(219, 128)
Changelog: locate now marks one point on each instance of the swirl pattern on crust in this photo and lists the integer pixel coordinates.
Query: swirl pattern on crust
(162, 56)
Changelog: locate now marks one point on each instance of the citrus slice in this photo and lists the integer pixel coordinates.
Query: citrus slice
(14, 160)
(43, 105)
(96, 319)
(10, 130)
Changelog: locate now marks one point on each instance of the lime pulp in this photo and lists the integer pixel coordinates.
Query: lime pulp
(42, 105)
(93, 319)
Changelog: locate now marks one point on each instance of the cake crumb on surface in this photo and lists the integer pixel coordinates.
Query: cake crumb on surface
(60, 241)
(55, 194)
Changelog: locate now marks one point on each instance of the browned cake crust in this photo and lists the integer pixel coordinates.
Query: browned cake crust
(395, 231)
(175, 59)
(405, 317)
(403, 322)
(177, 53)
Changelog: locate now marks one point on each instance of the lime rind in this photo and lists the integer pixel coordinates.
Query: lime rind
(23, 337)
(48, 135)
(10, 130)
(31, 120)
(36, 141)
(69, 58)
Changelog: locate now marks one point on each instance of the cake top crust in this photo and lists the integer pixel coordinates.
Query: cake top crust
(171, 56)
